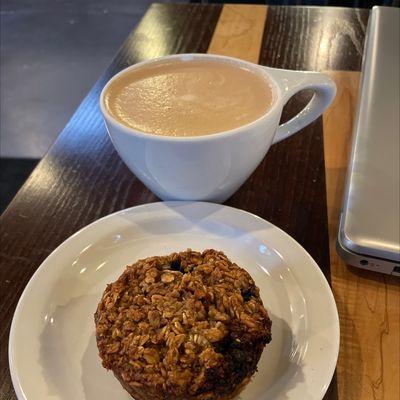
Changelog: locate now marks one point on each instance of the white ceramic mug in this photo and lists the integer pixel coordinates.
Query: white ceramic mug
(212, 167)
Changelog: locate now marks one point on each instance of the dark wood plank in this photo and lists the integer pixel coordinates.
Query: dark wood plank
(288, 189)
(82, 178)
(314, 38)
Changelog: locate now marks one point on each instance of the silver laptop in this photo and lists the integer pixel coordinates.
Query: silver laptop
(369, 232)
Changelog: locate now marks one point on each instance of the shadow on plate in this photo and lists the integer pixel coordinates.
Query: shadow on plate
(64, 352)
(194, 213)
(279, 368)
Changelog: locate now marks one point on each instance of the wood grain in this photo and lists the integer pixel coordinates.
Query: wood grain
(239, 32)
(368, 303)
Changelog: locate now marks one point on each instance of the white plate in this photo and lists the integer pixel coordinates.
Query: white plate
(52, 347)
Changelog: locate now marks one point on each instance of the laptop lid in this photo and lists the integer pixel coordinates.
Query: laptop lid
(370, 220)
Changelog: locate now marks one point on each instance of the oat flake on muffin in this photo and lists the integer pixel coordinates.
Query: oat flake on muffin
(187, 326)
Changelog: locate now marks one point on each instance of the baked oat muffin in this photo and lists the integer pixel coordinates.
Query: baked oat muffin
(188, 326)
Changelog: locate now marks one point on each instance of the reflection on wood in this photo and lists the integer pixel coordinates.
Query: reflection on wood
(314, 38)
(368, 303)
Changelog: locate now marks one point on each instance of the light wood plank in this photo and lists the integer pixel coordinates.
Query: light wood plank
(368, 303)
(239, 31)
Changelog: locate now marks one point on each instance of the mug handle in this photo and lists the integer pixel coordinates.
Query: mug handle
(291, 82)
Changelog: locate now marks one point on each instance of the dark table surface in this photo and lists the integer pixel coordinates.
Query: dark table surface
(82, 178)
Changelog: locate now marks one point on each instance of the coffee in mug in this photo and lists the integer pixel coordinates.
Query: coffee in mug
(188, 98)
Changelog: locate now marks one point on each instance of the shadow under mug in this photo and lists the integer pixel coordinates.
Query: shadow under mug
(212, 167)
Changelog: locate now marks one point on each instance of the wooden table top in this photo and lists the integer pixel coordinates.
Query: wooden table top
(297, 187)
